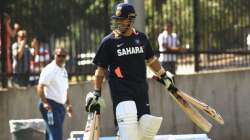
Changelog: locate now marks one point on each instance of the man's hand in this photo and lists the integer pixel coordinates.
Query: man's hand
(22, 43)
(182, 49)
(16, 26)
(47, 106)
(167, 77)
(69, 109)
(94, 99)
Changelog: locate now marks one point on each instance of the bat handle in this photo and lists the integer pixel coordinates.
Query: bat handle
(171, 88)
(96, 109)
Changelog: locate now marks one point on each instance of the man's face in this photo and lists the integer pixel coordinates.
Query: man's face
(21, 36)
(35, 44)
(123, 25)
(168, 28)
(60, 56)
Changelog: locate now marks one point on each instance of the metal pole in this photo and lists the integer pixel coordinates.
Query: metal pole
(107, 18)
(140, 11)
(3, 51)
(196, 4)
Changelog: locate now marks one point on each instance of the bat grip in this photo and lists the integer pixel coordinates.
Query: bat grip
(96, 109)
(171, 88)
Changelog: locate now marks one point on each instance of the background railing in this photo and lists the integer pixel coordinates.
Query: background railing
(215, 31)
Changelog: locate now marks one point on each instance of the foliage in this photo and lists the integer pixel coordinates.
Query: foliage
(45, 18)
(222, 23)
(82, 23)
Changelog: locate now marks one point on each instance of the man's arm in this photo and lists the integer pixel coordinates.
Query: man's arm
(40, 92)
(155, 66)
(68, 100)
(178, 47)
(20, 49)
(174, 49)
(69, 106)
(94, 97)
(99, 76)
(163, 74)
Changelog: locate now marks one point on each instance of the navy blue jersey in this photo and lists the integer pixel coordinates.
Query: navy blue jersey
(124, 57)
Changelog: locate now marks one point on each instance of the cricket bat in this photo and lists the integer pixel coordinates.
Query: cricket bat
(92, 128)
(192, 113)
(202, 106)
(185, 102)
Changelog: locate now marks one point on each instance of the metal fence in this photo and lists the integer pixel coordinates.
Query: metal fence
(215, 31)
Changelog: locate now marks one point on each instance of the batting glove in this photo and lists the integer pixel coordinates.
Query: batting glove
(94, 101)
(167, 77)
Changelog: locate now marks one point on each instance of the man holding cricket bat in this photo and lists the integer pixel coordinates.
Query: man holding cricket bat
(123, 54)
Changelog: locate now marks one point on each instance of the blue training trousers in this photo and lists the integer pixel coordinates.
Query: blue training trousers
(54, 132)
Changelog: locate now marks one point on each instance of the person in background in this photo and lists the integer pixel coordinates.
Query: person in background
(169, 43)
(21, 60)
(39, 59)
(10, 35)
(53, 91)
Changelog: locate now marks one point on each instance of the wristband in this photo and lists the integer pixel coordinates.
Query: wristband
(160, 72)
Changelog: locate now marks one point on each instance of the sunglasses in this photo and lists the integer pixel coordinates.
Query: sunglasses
(61, 55)
(22, 37)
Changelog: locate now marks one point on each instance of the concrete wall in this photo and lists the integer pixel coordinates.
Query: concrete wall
(228, 92)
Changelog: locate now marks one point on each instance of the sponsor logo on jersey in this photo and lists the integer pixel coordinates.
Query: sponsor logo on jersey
(119, 45)
(130, 50)
(137, 41)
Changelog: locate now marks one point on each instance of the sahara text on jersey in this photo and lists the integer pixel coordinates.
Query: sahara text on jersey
(130, 50)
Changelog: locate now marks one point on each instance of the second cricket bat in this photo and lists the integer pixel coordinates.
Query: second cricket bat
(192, 113)
(186, 101)
(92, 129)
(202, 106)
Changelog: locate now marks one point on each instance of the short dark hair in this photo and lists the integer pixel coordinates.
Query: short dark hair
(169, 22)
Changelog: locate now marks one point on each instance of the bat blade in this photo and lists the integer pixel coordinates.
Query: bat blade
(188, 109)
(202, 106)
(92, 130)
(192, 113)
